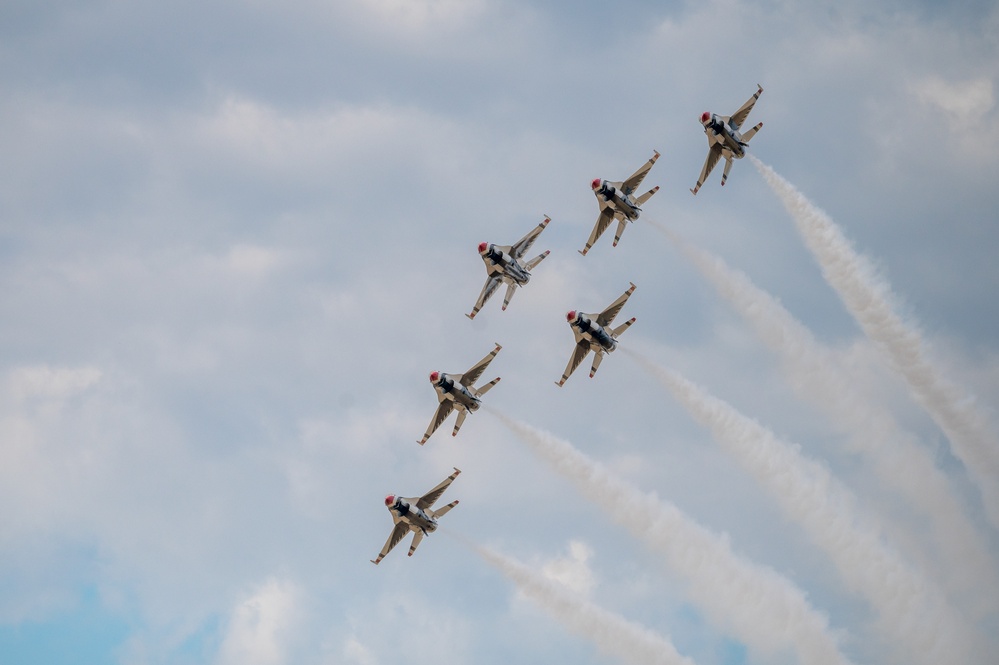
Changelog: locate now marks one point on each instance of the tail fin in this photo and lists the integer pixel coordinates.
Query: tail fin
(621, 328)
(647, 195)
(441, 512)
(479, 392)
(538, 259)
(751, 133)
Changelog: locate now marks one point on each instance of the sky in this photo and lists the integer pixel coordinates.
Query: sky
(236, 237)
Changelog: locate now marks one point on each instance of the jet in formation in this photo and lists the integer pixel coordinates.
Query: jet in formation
(592, 334)
(617, 200)
(456, 391)
(504, 265)
(724, 139)
(415, 514)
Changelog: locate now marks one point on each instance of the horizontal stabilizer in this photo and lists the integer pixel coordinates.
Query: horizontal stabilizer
(417, 537)
(458, 421)
(647, 195)
(621, 328)
(751, 133)
(486, 388)
(597, 357)
(538, 259)
(620, 231)
(441, 512)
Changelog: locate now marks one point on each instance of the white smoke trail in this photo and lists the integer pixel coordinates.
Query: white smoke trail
(868, 297)
(612, 634)
(924, 628)
(901, 463)
(765, 610)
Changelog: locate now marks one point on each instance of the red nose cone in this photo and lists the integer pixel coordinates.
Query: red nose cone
(705, 117)
(570, 315)
(434, 376)
(482, 247)
(389, 500)
(595, 184)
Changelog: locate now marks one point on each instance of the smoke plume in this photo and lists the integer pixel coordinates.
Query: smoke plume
(815, 373)
(763, 609)
(613, 635)
(923, 627)
(868, 297)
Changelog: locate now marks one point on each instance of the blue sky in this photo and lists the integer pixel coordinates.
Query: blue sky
(236, 238)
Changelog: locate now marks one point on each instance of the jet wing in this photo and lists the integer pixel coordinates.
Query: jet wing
(578, 354)
(635, 180)
(606, 317)
(714, 154)
(492, 283)
(398, 533)
(428, 499)
(475, 371)
(603, 221)
(519, 248)
(443, 411)
(739, 116)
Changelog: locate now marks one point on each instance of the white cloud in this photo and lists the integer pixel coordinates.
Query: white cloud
(357, 653)
(963, 101)
(573, 571)
(50, 382)
(261, 625)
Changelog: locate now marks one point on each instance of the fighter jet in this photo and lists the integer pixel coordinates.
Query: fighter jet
(617, 200)
(592, 334)
(724, 139)
(415, 514)
(504, 265)
(455, 391)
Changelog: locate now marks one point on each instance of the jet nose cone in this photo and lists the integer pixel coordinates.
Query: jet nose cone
(389, 500)
(595, 184)
(482, 247)
(570, 316)
(434, 376)
(705, 117)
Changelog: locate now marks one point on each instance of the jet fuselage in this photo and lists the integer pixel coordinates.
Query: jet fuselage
(609, 196)
(728, 139)
(594, 333)
(404, 510)
(500, 262)
(462, 397)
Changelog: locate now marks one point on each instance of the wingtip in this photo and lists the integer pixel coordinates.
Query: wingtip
(422, 442)
(456, 470)
(471, 316)
(582, 251)
(498, 346)
(547, 219)
(559, 383)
